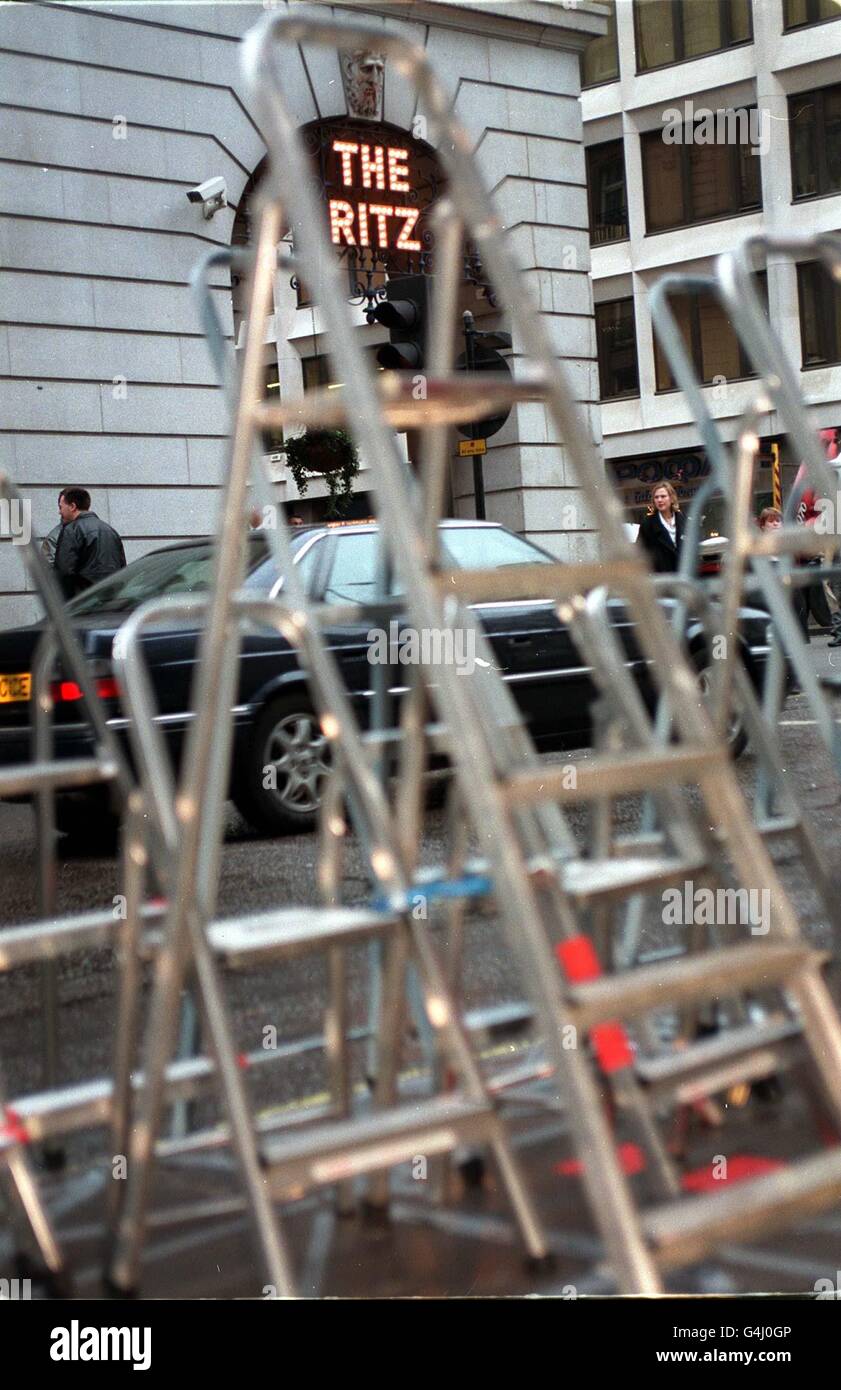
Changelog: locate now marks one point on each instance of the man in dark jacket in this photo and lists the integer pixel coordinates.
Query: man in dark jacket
(88, 548)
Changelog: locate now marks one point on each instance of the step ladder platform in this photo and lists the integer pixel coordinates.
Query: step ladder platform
(689, 1230)
(746, 1053)
(707, 975)
(280, 935)
(622, 774)
(83, 931)
(28, 779)
(336, 1151)
(586, 879)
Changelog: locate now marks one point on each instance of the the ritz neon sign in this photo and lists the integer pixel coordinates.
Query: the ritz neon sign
(383, 168)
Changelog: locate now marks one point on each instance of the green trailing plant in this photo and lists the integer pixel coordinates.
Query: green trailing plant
(330, 454)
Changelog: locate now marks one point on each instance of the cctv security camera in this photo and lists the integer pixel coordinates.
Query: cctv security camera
(212, 194)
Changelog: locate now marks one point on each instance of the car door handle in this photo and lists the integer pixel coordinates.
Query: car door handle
(521, 641)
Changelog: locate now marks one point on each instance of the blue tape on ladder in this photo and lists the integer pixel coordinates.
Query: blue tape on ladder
(470, 886)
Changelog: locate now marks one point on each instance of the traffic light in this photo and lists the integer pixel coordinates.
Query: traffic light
(481, 355)
(404, 313)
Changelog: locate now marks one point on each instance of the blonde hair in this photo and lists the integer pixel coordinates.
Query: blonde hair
(672, 496)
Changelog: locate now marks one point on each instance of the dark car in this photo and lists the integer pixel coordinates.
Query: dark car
(274, 720)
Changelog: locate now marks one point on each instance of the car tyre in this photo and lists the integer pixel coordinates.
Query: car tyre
(287, 738)
(87, 821)
(737, 734)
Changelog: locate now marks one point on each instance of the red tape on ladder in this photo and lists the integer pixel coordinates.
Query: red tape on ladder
(740, 1168)
(13, 1127)
(611, 1044)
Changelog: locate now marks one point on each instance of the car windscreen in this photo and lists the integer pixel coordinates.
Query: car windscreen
(486, 547)
(184, 570)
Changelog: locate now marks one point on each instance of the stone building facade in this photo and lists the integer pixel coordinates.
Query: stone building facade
(781, 60)
(116, 112)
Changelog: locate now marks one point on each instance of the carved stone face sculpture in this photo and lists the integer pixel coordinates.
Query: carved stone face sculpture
(363, 76)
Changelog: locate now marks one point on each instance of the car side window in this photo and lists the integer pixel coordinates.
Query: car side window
(308, 564)
(353, 578)
(264, 578)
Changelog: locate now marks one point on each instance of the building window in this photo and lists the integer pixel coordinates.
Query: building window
(316, 371)
(815, 134)
(272, 439)
(617, 344)
(607, 193)
(673, 31)
(820, 315)
(715, 173)
(713, 347)
(798, 13)
(600, 59)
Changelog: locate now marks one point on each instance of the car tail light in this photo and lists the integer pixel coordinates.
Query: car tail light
(66, 692)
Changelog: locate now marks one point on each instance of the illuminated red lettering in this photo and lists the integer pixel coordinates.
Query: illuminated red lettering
(398, 171)
(382, 214)
(364, 234)
(375, 166)
(347, 150)
(341, 222)
(410, 216)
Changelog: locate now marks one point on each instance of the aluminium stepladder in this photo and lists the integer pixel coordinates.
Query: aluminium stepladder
(47, 938)
(538, 910)
(776, 808)
(392, 1133)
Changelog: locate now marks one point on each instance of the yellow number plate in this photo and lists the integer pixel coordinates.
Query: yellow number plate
(15, 688)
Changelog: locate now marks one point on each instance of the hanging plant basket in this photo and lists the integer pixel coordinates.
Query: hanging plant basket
(328, 454)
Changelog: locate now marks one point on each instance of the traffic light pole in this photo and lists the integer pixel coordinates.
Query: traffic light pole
(469, 328)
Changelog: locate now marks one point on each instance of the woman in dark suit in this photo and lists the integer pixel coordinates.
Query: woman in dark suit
(661, 531)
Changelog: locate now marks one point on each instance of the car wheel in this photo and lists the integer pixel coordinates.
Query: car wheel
(279, 786)
(87, 821)
(736, 734)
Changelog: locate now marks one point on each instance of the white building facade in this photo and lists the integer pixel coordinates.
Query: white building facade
(118, 111)
(676, 208)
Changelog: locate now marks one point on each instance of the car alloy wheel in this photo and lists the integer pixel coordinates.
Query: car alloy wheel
(297, 751)
(736, 736)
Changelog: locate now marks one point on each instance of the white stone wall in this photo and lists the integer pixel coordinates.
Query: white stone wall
(104, 377)
(765, 72)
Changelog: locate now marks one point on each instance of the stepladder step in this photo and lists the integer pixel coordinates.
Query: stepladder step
(688, 1230)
